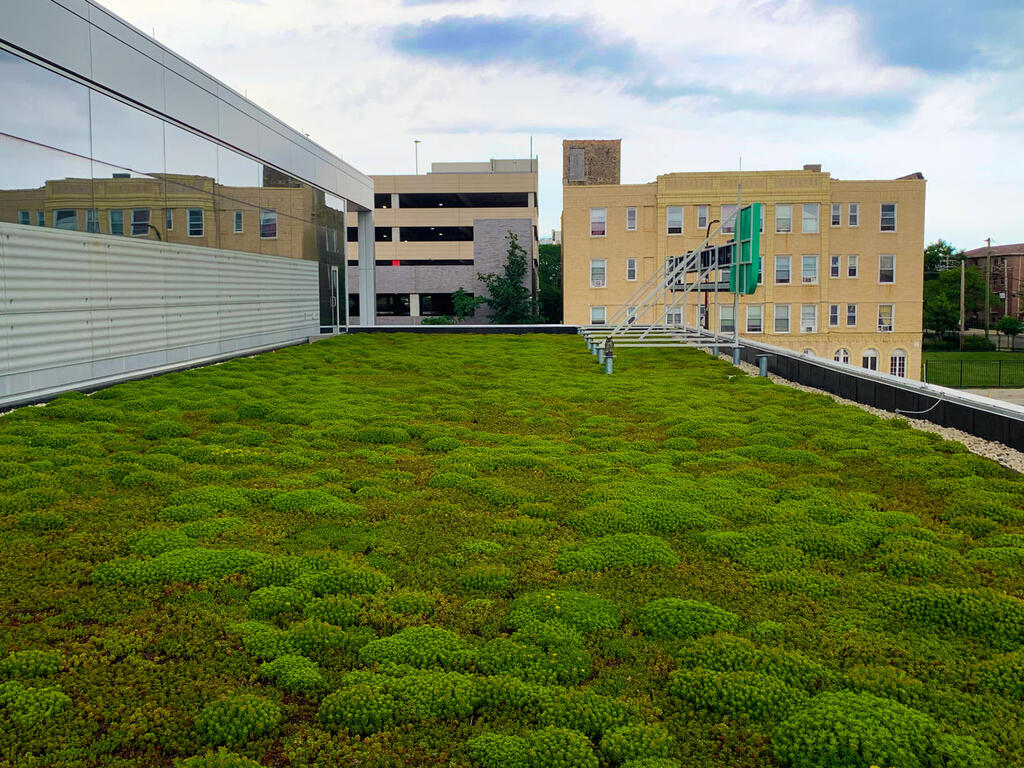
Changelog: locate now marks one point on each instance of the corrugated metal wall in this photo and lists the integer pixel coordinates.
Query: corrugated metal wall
(77, 310)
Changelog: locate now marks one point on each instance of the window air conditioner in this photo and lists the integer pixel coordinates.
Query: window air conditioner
(810, 280)
(597, 283)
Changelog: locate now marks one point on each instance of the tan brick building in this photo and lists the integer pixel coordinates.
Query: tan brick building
(842, 261)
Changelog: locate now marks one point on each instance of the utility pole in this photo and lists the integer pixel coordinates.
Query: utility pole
(963, 279)
(988, 282)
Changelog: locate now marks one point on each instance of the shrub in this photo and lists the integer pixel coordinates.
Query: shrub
(428, 695)
(208, 529)
(340, 611)
(343, 577)
(999, 619)
(419, 647)
(220, 498)
(751, 694)
(318, 638)
(617, 551)
(42, 521)
(30, 708)
(566, 663)
(672, 617)
(442, 444)
(236, 720)
(560, 748)
(577, 609)
(481, 547)
(160, 430)
(412, 604)
(381, 435)
(187, 513)
(912, 557)
(270, 602)
(727, 653)
(262, 640)
(1002, 555)
(219, 759)
(634, 742)
(31, 664)
(844, 729)
(362, 708)
(293, 673)
(816, 586)
(157, 541)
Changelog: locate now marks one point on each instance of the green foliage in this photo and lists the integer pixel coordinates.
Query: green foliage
(549, 279)
(727, 653)
(560, 748)
(293, 673)
(160, 430)
(31, 664)
(313, 502)
(672, 617)
(507, 294)
(156, 541)
(30, 708)
(343, 578)
(999, 619)
(496, 750)
(442, 444)
(419, 647)
(270, 602)
(1010, 326)
(219, 498)
(464, 304)
(737, 694)
(618, 551)
(219, 759)
(577, 609)
(487, 578)
(584, 711)
(636, 742)
(843, 729)
(190, 565)
(380, 435)
(340, 611)
(237, 720)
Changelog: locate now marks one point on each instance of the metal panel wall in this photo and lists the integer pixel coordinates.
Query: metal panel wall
(80, 309)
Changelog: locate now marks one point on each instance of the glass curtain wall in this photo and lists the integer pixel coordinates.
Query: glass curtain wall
(74, 158)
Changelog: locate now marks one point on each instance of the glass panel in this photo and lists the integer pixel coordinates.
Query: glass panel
(126, 137)
(287, 210)
(191, 167)
(36, 178)
(126, 200)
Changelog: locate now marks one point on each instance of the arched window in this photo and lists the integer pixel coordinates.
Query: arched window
(842, 355)
(869, 359)
(898, 363)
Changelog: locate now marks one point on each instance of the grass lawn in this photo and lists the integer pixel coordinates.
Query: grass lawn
(480, 552)
(979, 369)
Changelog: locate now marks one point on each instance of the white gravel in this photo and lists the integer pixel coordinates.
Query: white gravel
(1002, 454)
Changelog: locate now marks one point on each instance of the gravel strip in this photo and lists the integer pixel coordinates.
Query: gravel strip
(1002, 454)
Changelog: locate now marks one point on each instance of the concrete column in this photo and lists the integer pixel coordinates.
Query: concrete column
(394, 200)
(414, 304)
(367, 282)
(394, 235)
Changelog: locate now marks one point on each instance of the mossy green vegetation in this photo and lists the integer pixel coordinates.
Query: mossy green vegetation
(481, 552)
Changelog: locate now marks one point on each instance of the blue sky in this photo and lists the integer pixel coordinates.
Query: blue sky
(867, 88)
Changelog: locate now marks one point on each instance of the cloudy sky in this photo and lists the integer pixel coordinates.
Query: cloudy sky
(867, 88)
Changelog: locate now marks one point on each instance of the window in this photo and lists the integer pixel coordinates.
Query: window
(631, 218)
(702, 317)
(869, 360)
(597, 221)
(597, 315)
(674, 317)
(809, 222)
(65, 218)
(24, 218)
(761, 225)
(140, 222)
(116, 222)
(851, 315)
(837, 214)
(887, 268)
(726, 319)
(238, 221)
(597, 273)
(631, 269)
(808, 318)
(169, 218)
(834, 265)
(809, 270)
(40, 218)
(195, 222)
(755, 317)
(808, 352)
(92, 220)
(842, 355)
(702, 217)
(268, 224)
(783, 219)
(782, 318)
(674, 219)
(887, 220)
(853, 219)
(781, 270)
(898, 363)
(833, 315)
(728, 226)
(630, 314)
(851, 265)
(885, 319)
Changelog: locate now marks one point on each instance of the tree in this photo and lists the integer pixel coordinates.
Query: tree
(937, 255)
(549, 273)
(941, 315)
(508, 297)
(1011, 326)
(465, 304)
(947, 284)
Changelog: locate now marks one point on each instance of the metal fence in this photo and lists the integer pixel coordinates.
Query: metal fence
(974, 373)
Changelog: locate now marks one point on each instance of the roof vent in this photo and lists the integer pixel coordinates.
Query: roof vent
(816, 167)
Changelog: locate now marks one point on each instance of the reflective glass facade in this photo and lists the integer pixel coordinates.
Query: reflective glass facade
(74, 158)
